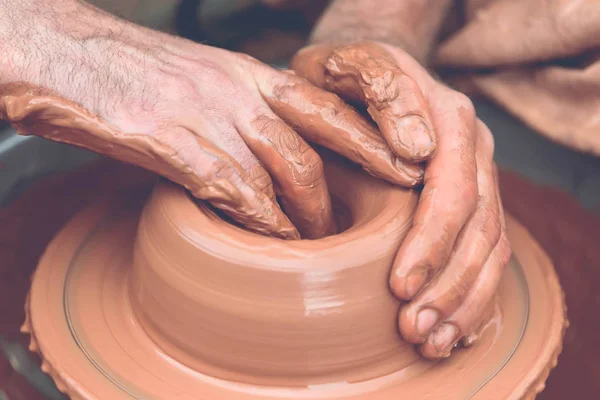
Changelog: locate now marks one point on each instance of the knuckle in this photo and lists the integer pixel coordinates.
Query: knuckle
(463, 283)
(283, 87)
(305, 165)
(266, 125)
(442, 246)
(462, 101)
(491, 227)
(405, 82)
(311, 172)
(504, 251)
(243, 57)
(468, 195)
(261, 179)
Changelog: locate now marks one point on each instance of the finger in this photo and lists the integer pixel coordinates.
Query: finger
(468, 316)
(515, 32)
(296, 169)
(213, 175)
(447, 291)
(222, 134)
(447, 201)
(367, 73)
(323, 118)
(309, 63)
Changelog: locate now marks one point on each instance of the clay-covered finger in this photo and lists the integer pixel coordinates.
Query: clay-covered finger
(467, 318)
(447, 291)
(296, 169)
(213, 175)
(447, 201)
(323, 118)
(366, 73)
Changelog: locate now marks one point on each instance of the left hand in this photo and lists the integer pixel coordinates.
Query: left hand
(451, 261)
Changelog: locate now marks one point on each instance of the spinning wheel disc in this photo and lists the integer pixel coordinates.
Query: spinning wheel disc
(81, 322)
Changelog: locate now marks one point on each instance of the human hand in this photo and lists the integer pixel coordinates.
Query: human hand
(229, 128)
(451, 261)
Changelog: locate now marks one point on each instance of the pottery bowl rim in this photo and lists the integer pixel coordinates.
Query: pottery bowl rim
(377, 232)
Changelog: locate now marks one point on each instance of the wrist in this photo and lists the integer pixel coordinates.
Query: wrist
(412, 25)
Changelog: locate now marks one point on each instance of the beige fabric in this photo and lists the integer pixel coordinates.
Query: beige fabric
(541, 61)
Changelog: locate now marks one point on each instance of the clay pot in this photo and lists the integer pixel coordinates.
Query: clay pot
(158, 297)
(254, 309)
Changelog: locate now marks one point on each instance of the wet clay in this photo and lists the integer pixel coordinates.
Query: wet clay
(325, 315)
(567, 232)
(114, 314)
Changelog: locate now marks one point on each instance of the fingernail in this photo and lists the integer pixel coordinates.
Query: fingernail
(414, 131)
(414, 282)
(444, 337)
(426, 320)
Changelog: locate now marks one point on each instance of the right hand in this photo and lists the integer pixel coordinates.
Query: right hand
(450, 263)
(229, 128)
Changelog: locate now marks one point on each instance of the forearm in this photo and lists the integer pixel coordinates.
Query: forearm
(66, 47)
(410, 24)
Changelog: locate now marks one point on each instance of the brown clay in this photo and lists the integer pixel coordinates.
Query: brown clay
(195, 306)
(326, 313)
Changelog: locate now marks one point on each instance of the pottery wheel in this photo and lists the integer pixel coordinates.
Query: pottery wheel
(83, 323)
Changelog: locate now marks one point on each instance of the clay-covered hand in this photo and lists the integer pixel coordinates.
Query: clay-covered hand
(231, 129)
(450, 264)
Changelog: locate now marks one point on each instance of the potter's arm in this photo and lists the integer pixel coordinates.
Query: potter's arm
(410, 24)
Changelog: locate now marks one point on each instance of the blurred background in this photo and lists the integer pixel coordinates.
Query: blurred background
(272, 36)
